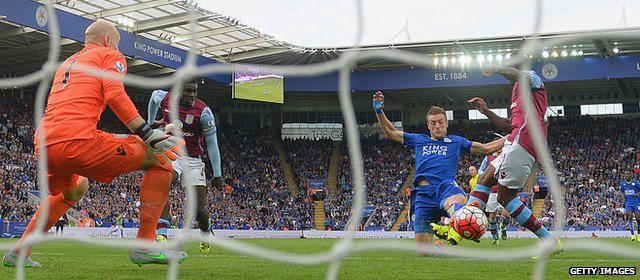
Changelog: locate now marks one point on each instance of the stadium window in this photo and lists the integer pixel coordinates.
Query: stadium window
(476, 115)
(449, 114)
(555, 111)
(601, 109)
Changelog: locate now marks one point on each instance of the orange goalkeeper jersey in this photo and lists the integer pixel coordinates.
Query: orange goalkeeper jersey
(77, 98)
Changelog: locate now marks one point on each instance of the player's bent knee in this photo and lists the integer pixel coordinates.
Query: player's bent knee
(455, 199)
(506, 197)
(75, 194)
(150, 161)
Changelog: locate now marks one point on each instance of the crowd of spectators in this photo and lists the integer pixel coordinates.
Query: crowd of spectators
(590, 155)
(18, 168)
(258, 197)
(386, 166)
(309, 159)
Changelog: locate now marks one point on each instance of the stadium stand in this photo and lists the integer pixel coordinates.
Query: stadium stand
(590, 155)
(386, 166)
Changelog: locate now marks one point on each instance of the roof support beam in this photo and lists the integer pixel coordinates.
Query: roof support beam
(136, 62)
(169, 21)
(256, 53)
(608, 47)
(463, 48)
(211, 32)
(128, 9)
(235, 44)
(624, 87)
(156, 72)
(34, 48)
(16, 31)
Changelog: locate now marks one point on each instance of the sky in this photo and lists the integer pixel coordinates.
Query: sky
(333, 23)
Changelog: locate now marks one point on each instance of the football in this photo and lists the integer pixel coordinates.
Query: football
(470, 222)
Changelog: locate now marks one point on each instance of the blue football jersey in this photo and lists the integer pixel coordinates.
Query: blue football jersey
(630, 189)
(436, 160)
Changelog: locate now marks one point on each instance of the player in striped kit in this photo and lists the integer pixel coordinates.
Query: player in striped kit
(198, 127)
(512, 167)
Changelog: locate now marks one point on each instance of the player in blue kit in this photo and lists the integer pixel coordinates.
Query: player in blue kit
(435, 192)
(631, 190)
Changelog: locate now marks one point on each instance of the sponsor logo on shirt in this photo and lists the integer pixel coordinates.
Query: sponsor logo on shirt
(434, 149)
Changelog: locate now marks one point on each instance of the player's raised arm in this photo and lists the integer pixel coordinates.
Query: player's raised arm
(209, 130)
(488, 148)
(154, 104)
(481, 106)
(509, 73)
(385, 124)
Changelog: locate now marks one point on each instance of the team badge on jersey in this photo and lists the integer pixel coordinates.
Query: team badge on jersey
(120, 66)
(188, 118)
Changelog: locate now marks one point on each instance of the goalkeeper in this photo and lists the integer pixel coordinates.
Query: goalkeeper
(76, 150)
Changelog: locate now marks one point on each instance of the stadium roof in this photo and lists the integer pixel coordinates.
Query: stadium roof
(218, 36)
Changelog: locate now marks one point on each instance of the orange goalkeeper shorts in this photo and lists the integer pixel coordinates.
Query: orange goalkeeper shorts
(102, 158)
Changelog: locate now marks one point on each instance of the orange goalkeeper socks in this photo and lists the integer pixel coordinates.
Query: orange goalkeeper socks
(58, 205)
(153, 194)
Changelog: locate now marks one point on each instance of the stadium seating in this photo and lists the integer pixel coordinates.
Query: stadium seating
(590, 156)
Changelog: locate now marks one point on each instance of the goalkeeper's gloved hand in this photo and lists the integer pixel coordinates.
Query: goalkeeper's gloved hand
(160, 143)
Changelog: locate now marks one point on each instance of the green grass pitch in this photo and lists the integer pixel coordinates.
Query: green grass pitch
(264, 89)
(67, 260)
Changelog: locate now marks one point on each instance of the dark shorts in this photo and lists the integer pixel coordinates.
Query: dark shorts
(427, 203)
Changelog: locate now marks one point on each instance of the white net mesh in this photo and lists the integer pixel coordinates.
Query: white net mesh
(343, 65)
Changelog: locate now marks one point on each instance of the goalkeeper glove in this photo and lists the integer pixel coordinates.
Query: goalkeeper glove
(160, 143)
